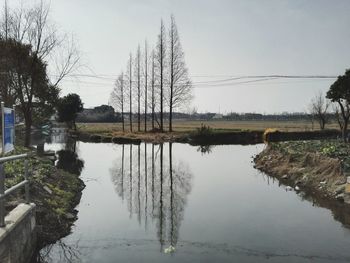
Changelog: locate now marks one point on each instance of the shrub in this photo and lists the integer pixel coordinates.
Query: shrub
(204, 130)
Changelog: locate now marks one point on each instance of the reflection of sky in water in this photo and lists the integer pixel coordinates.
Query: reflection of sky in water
(220, 209)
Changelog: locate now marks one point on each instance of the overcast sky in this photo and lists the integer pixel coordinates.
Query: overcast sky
(220, 39)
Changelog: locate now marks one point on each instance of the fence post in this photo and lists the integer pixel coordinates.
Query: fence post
(2, 200)
(3, 127)
(26, 187)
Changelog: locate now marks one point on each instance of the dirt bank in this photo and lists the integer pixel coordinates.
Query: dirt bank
(319, 168)
(203, 136)
(126, 138)
(55, 192)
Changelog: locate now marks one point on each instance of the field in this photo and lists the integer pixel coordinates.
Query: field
(219, 126)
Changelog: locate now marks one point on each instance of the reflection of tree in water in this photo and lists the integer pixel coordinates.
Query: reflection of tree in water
(154, 186)
(61, 251)
(205, 149)
(68, 159)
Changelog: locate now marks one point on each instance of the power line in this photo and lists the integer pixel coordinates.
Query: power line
(219, 83)
(227, 77)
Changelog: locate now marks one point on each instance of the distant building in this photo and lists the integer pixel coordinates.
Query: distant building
(218, 116)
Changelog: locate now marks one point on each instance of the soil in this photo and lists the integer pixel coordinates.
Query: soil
(55, 192)
(306, 169)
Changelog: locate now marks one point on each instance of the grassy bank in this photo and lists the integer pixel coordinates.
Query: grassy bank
(204, 133)
(114, 129)
(54, 191)
(317, 167)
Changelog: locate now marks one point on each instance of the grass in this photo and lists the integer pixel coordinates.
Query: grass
(53, 206)
(180, 126)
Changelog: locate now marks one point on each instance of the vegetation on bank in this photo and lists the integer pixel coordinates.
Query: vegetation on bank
(185, 126)
(54, 191)
(184, 130)
(319, 167)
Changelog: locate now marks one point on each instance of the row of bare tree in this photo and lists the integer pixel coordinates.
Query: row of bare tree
(154, 79)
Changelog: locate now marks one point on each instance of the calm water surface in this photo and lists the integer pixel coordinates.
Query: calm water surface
(211, 207)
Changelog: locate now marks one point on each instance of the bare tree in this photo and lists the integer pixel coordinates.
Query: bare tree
(130, 90)
(7, 93)
(138, 83)
(32, 27)
(117, 96)
(160, 58)
(153, 103)
(146, 82)
(319, 109)
(5, 23)
(180, 88)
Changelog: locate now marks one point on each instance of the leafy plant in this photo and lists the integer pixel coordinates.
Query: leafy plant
(328, 150)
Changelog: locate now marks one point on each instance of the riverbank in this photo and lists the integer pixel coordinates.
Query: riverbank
(55, 192)
(319, 168)
(205, 135)
(109, 129)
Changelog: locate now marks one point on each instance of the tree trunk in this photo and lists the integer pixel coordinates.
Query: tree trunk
(322, 124)
(161, 98)
(152, 91)
(171, 76)
(171, 115)
(130, 93)
(123, 121)
(138, 92)
(122, 102)
(146, 76)
(161, 77)
(345, 130)
(28, 128)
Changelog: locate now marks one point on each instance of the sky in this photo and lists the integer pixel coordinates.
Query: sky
(221, 39)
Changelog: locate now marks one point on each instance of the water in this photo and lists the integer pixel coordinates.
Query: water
(211, 206)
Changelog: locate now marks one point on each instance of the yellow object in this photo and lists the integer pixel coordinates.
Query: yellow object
(267, 132)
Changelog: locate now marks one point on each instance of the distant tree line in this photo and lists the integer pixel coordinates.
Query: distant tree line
(155, 81)
(105, 113)
(267, 117)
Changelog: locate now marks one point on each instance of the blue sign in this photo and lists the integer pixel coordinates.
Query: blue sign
(8, 130)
